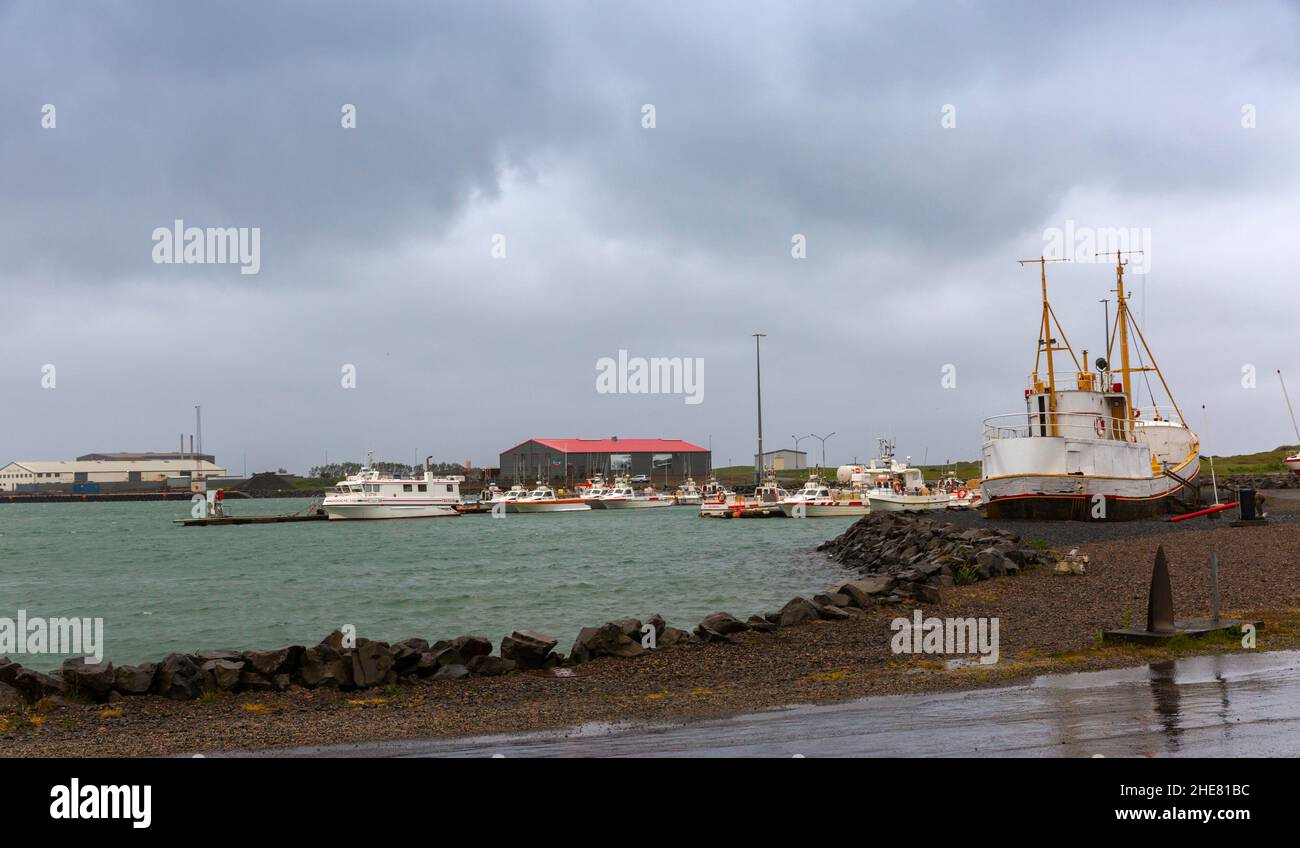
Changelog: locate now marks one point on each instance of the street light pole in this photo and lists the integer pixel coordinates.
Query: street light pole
(823, 440)
(797, 440)
(758, 375)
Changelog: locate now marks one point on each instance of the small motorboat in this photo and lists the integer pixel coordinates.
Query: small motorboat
(818, 500)
(764, 503)
(688, 494)
(897, 486)
(623, 496)
(543, 499)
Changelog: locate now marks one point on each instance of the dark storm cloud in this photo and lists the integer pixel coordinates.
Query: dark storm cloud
(524, 119)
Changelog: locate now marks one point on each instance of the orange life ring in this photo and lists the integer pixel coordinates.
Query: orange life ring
(1100, 426)
(961, 494)
(898, 488)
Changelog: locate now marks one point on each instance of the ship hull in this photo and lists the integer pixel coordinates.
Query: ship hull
(1041, 498)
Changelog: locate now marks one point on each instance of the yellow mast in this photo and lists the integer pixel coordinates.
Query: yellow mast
(1047, 344)
(1122, 319)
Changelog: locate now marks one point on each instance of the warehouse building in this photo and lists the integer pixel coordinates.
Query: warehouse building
(574, 460)
(114, 472)
(782, 460)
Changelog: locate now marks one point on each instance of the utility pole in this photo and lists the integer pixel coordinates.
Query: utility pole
(758, 375)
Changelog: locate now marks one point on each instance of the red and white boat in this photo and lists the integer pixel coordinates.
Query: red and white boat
(818, 500)
(764, 503)
(371, 495)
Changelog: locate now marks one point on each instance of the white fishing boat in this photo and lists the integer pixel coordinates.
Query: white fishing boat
(593, 490)
(1081, 449)
(543, 498)
(764, 503)
(818, 500)
(896, 486)
(688, 493)
(623, 496)
(372, 495)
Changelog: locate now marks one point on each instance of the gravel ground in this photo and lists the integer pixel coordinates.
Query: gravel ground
(1048, 623)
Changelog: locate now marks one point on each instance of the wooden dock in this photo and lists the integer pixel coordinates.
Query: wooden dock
(249, 519)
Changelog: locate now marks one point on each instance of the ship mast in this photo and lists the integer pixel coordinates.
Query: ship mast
(1123, 319)
(1047, 344)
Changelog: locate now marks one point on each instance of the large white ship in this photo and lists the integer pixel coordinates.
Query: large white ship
(1081, 449)
(372, 495)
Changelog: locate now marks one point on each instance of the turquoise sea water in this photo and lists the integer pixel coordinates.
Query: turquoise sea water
(162, 588)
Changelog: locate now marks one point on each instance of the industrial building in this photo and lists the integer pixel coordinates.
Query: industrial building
(573, 460)
(782, 460)
(108, 472)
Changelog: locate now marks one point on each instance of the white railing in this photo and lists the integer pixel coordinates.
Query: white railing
(1069, 425)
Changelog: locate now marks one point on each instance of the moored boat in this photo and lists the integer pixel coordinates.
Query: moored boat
(688, 493)
(543, 498)
(896, 486)
(623, 496)
(370, 494)
(818, 500)
(1081, 449)
(764, 503)
(1291, 462)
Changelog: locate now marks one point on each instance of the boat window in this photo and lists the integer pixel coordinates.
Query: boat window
(406, 487)
(448, 487)
(423, 487)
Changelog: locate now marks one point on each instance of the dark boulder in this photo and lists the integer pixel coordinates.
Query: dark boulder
(35, 685)
(251, 681)
(371, 663)
(760, 625)
(528, 648)
(723, 623)
(221, 675)
(407, 654)
(134, 680)
(461, 650)
(797, 611)
(831, 613)
(322, 665)
(88, 679)
(487, 665)
(178, 678)
(608, 640)
(11, 698)
(277, 661)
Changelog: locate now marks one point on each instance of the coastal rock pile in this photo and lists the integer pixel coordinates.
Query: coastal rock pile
(1265, 480)
(334, 663)
(907, 555)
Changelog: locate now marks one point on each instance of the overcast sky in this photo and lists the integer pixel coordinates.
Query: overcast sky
(920, 149)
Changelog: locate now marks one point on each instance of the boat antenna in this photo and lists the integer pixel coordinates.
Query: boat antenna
(1288, 405)
(1047, 344)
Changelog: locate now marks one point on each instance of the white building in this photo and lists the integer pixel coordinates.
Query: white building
(126, 473)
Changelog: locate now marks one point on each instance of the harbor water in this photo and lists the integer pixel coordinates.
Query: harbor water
(161, 588)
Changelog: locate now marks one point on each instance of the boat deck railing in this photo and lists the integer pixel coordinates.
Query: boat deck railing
(1070, 425)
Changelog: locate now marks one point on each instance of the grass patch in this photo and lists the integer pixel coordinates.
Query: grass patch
(830, 676)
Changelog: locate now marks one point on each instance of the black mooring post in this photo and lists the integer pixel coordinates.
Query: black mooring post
(1160, 599)
(1246, 503)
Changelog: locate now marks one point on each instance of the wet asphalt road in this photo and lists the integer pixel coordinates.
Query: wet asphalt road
(1242, 705)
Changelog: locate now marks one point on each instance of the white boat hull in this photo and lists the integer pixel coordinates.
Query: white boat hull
(837, 510)
(635, 503)
(547, 506)
(1293, 462)
(898, 503)
(372, 512)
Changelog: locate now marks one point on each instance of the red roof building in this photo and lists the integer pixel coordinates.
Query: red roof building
(574, 460)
